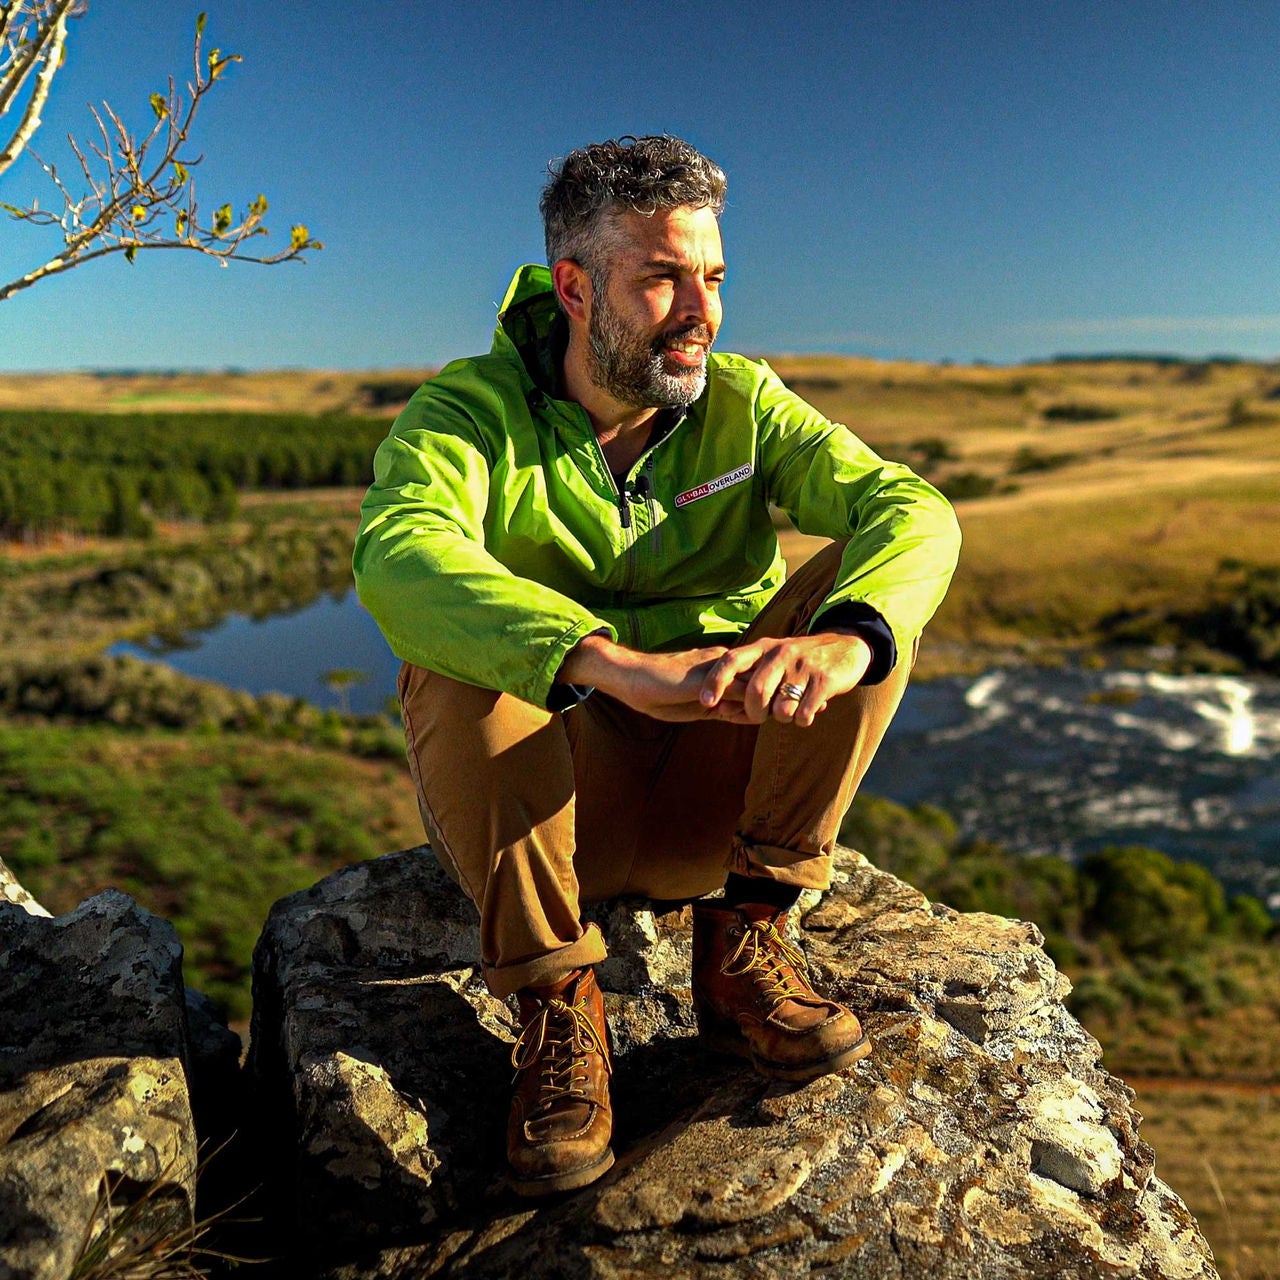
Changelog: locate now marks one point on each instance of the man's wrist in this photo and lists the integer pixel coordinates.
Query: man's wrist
(863, 621)
(592, 661)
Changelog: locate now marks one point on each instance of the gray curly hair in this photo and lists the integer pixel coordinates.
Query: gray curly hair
(590, 186)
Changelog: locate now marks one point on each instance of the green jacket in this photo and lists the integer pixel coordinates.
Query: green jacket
(494, 538)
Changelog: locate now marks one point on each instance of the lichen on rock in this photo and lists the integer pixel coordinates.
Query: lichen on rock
(981, 1137)
(95, 1118)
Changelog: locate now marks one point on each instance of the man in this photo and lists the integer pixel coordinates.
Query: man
(608, 687)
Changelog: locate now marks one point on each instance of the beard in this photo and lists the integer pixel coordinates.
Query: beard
(633, 368)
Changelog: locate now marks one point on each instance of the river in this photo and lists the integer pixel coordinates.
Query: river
(1046, 761)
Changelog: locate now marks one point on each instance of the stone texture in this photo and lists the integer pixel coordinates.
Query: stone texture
(94, 1110)
(982, 1137)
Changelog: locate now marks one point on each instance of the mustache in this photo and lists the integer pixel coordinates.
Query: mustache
(689, 333)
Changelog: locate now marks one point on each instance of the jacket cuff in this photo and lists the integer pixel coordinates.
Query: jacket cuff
(866, 622)
(563, 696)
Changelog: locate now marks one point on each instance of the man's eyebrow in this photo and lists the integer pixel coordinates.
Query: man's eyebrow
(674, 264)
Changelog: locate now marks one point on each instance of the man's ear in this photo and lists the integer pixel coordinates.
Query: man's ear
(573, 288)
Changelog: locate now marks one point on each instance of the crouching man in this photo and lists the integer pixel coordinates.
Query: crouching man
(609, 686)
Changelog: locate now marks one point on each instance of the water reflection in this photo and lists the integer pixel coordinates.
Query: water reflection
(291, 653)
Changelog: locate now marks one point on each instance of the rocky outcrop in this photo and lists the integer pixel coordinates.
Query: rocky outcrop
(982, 1137)
(96, 1135)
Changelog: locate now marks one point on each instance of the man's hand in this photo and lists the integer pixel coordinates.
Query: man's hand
(765, 674)
(663, 685)
(742, 686)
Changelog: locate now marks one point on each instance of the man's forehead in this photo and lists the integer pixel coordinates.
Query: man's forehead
(681, 234)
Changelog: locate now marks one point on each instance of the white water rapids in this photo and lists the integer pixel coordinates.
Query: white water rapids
(1067, 761)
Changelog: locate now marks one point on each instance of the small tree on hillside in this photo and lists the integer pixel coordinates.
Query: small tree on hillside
(133, 191)
(339, 682)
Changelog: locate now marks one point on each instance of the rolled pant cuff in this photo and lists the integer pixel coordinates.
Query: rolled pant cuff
(505, 980)
(769, 862)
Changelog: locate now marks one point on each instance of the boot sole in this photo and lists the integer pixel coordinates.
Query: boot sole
(550, 1183)
(715, 1035)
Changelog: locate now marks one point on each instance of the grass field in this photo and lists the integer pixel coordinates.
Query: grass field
(283, 391)
(1088, 515)
(1216, 1146)
(205, 830)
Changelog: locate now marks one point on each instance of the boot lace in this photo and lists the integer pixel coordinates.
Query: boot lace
(776, 966)
(567, 1034)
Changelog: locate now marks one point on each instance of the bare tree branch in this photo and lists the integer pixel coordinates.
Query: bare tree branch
(30, 120)
(21, 50)
(133, 184)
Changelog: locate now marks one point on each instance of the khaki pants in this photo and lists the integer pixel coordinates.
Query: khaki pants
(533, 812)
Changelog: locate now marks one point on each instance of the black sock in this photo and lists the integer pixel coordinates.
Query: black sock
(739, 891)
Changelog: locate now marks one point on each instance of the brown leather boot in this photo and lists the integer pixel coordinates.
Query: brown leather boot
(752, 997)
(561, 1121)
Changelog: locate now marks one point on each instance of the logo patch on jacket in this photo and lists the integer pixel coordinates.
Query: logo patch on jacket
(725, 481)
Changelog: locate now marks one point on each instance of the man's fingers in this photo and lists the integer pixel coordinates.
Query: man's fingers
(812, 703)
(769, 673)
(729, 713)
(725, 671)
(788, 696)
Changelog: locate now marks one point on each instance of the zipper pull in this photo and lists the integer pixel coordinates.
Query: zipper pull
(624, 509)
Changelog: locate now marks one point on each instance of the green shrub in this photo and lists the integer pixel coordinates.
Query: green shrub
(1149, 995)
(1028, 460)
(1150, 904)
(1246, 621)
(1197, 979)
(912, 844)
(1250, 919)
(1070, 412)
(931, 450)
(966, 484)
(1094, 995)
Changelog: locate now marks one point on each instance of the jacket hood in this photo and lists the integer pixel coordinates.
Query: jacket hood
(532, 329)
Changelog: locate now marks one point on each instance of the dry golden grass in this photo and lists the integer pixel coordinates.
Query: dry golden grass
(271, 391)
(1136, 512)
(1216, 1146)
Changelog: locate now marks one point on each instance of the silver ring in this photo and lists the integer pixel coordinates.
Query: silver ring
(791, 691)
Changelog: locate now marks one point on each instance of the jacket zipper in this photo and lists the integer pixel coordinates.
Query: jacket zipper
(629, 560)
(629, 541)
(644, 487)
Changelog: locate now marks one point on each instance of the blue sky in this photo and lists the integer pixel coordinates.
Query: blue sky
(934, 180)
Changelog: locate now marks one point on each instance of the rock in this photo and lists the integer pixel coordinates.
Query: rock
(982, 1136)
(96, 1131)
(216, 1084)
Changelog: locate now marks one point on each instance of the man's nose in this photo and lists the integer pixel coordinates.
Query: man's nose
(696, 303)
